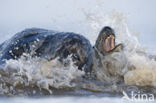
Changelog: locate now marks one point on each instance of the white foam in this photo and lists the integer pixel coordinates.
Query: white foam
(42, 73)
(134, 55)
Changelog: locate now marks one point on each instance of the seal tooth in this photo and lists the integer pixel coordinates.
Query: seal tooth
(107, 44)
(112, 42)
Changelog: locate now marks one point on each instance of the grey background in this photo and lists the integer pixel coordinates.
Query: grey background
(65, 15)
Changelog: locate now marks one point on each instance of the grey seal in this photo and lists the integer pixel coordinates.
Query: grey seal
(49, 44)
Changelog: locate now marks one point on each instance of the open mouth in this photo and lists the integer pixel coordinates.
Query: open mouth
(109, 43)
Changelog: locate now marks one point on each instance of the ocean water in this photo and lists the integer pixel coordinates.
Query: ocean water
(63, 99)
(35, 80)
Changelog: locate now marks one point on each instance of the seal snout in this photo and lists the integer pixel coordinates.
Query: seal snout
(108, 37)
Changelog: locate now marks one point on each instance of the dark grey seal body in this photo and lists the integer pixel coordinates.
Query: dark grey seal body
(48, 44)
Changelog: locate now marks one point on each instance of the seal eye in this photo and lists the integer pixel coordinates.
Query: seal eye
(76, 57)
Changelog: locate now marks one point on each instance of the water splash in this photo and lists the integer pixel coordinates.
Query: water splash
(134, 64)
(28, 71)
(131, 66)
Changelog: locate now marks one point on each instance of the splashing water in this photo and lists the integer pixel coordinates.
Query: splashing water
(131, 66)
(28, 71)
(134, 64)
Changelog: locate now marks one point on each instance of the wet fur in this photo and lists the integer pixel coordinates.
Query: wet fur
(49, 44)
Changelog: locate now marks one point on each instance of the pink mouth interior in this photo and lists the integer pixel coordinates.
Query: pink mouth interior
(109, 43)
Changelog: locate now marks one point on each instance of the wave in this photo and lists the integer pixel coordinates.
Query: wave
(132, 66)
